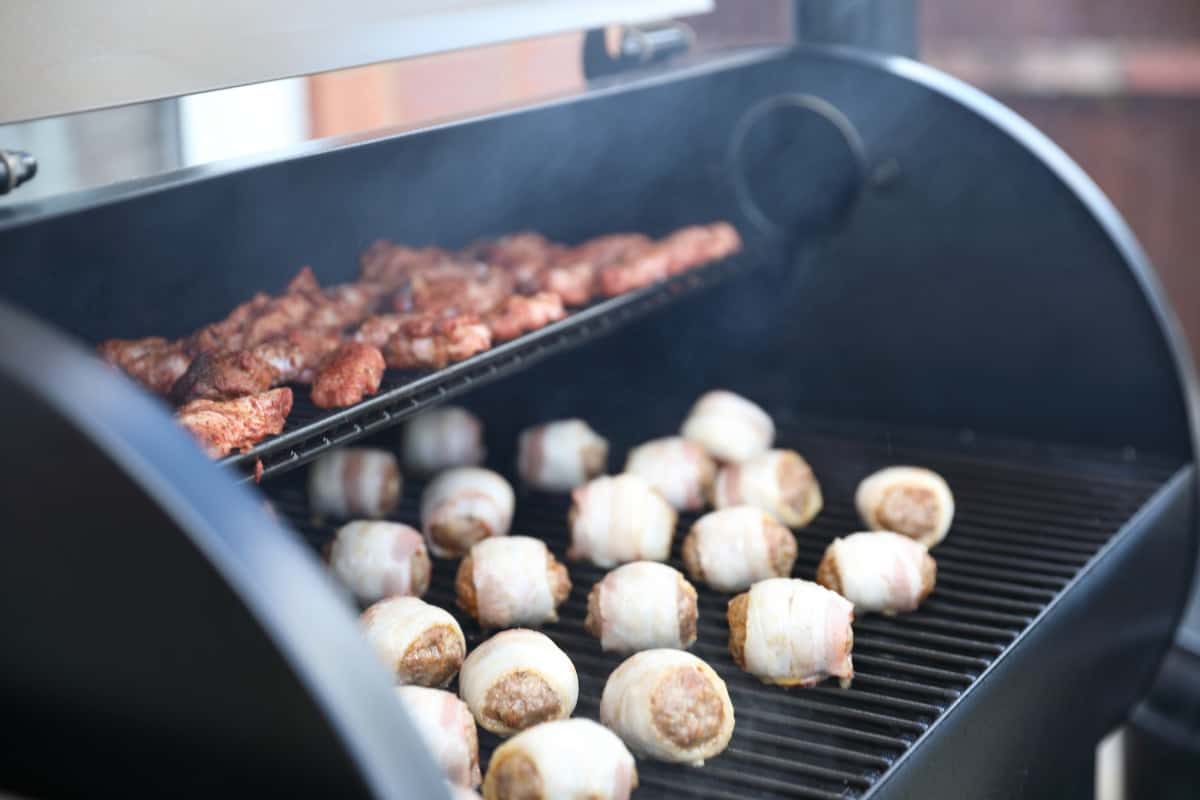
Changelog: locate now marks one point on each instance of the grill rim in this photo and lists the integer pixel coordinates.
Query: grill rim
(1152, 509)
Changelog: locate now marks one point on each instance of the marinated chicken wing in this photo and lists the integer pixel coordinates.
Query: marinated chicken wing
(223, 426)
(352, 372)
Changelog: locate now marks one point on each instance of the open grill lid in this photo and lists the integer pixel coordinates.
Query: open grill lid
(79, 59)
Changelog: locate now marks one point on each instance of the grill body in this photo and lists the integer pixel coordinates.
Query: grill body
(931, 284)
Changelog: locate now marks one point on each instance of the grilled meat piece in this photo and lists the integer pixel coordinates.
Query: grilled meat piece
(223, 426)
(351, 373)
(520, 314)
(377, 329)
(226, 334)
(695, 245)
(424, 341)
(221, 376)
(295, 356)
(575, 274)
(154, 362)
(570, 280)
(453, 288)
(389, 266)
(524, 255)
(639, 264)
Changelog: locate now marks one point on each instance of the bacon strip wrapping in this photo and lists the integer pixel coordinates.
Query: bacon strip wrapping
(546, 762)
(792, 632)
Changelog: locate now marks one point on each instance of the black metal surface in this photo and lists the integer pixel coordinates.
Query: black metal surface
(311, 431)
(926, 278)
(1027, 524)
(163, 636)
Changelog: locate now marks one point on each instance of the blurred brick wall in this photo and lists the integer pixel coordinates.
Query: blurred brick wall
(1117, 85)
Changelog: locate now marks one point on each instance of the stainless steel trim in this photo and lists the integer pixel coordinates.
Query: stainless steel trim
(83, 56)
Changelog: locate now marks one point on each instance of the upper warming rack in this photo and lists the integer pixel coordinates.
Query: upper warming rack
(309, 430)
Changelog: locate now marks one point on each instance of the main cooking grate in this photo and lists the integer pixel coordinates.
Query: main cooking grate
(311, 431)
(1025, 525)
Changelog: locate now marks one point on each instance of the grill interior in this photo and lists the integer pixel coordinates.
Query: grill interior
(1028, 518)
(310, 430)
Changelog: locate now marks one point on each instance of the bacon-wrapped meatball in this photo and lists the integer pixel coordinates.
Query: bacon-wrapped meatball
(642, 606)
(878, 571)
(680, 470)
(517, 679)
(732, 548)
(511, 580)
(446, 726)
(909, 500)
(779, 482)
(728, 426)
(668, 705)
(463, 506)
(558, 456)
(615, 520)
(571, 758)
(380, 559)
(792, 632)
(355, 482)
(443, 438)
(421, 644)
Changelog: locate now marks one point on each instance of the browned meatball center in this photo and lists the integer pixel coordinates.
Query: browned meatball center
(515, 777)
(910, 510)
(433, 657)
(686, 612)
(686, 708)
(520, 700)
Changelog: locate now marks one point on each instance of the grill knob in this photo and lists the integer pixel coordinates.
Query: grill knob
(16, 167)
